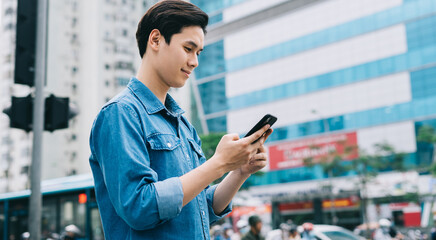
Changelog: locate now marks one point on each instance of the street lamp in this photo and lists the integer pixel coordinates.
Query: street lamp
(329, 172)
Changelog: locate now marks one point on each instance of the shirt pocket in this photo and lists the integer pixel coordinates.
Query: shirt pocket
(166, 155)
(167, 142)
(199, 155)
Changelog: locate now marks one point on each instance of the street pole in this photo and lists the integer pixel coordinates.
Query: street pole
(330, 174)
(35, 204)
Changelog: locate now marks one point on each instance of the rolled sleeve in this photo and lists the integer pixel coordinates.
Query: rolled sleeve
(210, 191)
(169, 195)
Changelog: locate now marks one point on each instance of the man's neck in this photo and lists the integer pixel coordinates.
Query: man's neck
(148, 76)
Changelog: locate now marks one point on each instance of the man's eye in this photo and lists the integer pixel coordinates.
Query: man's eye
(188, 49)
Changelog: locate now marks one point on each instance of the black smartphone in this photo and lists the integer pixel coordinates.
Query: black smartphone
(267, 119)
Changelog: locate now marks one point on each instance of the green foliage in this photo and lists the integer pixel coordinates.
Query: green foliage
(366, 165)
(426, 134)
(209, 142)
(332, 162)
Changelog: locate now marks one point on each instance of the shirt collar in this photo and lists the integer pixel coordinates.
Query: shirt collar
(151, 103)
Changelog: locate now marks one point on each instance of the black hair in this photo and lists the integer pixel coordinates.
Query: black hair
(169, 17)
(253, 220)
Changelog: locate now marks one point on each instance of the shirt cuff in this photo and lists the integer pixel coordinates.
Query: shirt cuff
(210, 191)
(169, 197)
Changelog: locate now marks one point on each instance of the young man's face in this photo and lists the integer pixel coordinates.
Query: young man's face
(177, 60)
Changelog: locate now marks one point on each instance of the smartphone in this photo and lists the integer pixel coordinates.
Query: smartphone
(267, 119)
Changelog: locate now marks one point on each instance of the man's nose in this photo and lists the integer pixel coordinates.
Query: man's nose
(193, 61)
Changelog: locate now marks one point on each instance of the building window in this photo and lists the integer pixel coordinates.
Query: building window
(74, 88)
(74, 70)
(9, 11)
(25, 169)
(9, 26)
(73, 22)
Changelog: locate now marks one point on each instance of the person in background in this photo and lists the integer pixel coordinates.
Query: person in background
(308, 232)
(382, 233)
(293, 233)
(433, 234)
(255, 228)
(226, 232)
(71, 232)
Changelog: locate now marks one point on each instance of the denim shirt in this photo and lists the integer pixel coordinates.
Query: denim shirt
(139, 149)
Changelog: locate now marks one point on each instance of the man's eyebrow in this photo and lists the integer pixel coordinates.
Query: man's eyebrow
(193, 44)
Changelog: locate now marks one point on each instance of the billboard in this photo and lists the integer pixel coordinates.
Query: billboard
(292, 154)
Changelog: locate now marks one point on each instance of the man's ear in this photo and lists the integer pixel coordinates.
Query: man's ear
(155, 39)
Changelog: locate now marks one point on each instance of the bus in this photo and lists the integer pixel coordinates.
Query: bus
(65, 201)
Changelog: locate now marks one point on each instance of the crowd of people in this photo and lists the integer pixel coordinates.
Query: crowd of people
(70, 232)
(252, 230)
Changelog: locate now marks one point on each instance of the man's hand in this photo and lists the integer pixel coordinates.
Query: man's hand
(259, 160)
(232, 152)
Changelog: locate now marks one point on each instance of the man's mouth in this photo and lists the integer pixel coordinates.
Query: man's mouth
(186, 72)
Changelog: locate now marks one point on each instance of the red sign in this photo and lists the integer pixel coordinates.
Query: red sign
(299, 206)
(292, 154)
(247, 210)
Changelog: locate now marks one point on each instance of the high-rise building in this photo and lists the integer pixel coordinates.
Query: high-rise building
(91, 56)
(359, 72)
(15, 145)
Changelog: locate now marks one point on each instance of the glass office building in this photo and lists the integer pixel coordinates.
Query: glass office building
(363, 71)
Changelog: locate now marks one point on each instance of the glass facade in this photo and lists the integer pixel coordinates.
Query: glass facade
(418, 17)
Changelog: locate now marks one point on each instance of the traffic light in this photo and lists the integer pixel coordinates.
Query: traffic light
(58, 112)
(25, 42)
(20, 113)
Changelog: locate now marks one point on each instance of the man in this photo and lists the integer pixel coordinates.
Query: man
(255, 228)
(151, 177)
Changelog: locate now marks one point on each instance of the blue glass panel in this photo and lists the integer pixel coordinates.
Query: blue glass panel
(215, 5)
(423, 83)
(417, 58)
(421, 33)
(218, 124)
(213, 95)
(363, 119)
(216, 18)
(354, 28)
(211, 60)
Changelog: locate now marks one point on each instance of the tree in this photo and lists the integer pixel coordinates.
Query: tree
(209, 142)
(331, 164)
(426, 134)
(366, 167)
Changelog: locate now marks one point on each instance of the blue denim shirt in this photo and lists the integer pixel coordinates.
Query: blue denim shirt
(139, 149)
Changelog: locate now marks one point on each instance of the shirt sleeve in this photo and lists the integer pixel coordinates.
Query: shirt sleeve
(133, 188)
(210, 191)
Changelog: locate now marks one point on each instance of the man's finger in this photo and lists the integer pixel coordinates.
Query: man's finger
(257, 134)
(268, 133)
(260, 156)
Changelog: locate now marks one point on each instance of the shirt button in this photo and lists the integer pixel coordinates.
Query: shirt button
(203, 213)
(169, 144)
(187, 155)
